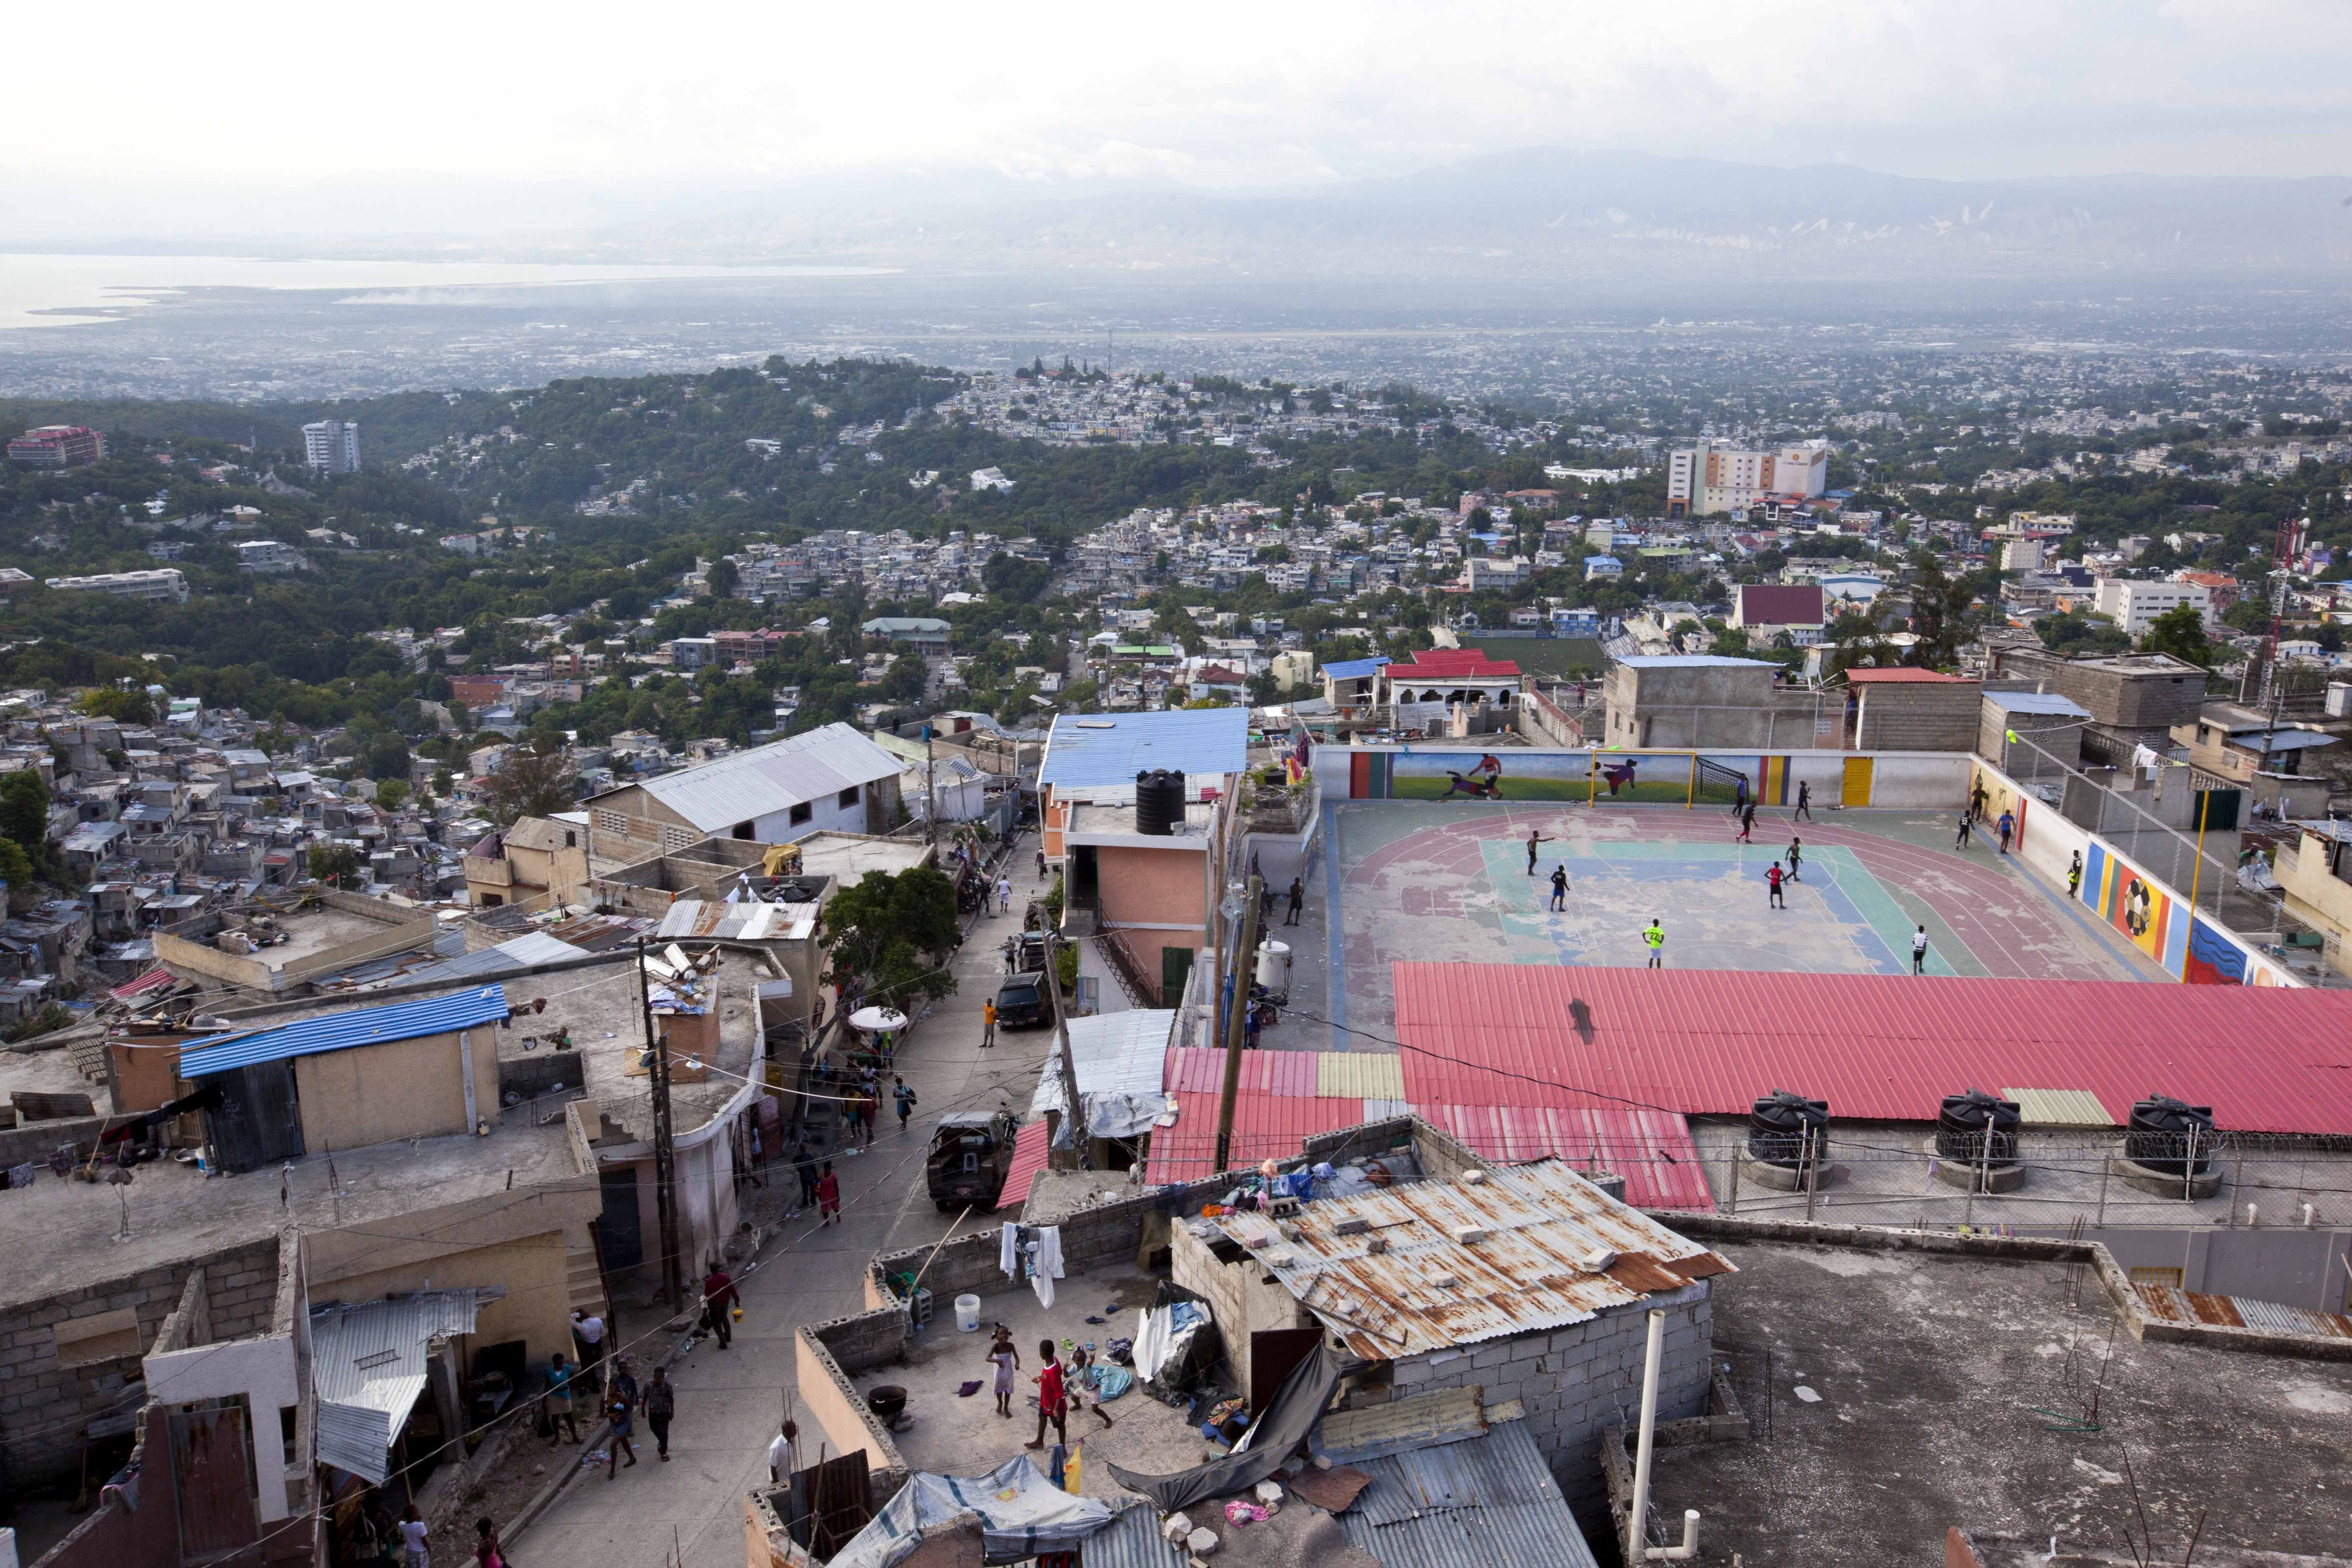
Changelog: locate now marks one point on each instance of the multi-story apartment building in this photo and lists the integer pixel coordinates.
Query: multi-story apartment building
(331, 447)
(2133, 604)
(1716, 477)
(57, 446)
(162, 583)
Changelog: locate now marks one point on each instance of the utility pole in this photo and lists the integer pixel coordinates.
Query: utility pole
(930, 790)
(1244, 961)
(2274, 689)
(664, 1153)
(1074, 1118)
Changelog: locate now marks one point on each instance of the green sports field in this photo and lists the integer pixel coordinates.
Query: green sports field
(1547, 656)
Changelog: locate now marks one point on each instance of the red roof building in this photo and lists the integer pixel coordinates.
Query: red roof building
(1772, 605)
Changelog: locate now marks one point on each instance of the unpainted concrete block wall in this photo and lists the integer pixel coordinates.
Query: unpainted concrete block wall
(1577, 1380)
(45, 1407)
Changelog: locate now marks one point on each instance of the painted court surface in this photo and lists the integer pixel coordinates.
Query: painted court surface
(1437, 883)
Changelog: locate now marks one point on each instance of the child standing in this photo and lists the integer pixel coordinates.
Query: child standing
(1006, 1360)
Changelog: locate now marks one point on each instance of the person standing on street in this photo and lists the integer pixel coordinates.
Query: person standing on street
(988, 1024)
(1559, 889)
(719, 1300)
(784, 1454)
(1534, 838)
(805, 1167)
(1920, 951)
(2008, 825)
(2074, 876)
(414, 1551)
(1003, 895)
(1654, 938)
(1052, 1404)
(488, 1552)
(1804, 801)
(589, 1331)
(1796, 856)
(1297, 901)
(1772, 883)
(828, 1196)
(905, 1099)
(1739, 795)
(1041, 865)
(660, 1403)
(1006, 1361)
(623, 1382)
(556, 1403)
(623, 1418)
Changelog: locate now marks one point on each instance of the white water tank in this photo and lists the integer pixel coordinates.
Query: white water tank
(1274, 969)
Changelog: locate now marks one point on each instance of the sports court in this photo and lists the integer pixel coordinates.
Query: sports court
(1431, 881)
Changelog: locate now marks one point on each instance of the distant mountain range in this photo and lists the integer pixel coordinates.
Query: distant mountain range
(1535, 214)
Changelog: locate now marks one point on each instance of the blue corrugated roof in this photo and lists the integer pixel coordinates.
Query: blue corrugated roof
(1354, 669)
(341, 1031)
(1112, 748)
(2037, 702)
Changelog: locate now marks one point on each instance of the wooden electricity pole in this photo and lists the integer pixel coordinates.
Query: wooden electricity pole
(664, 1152)
(1074, 1118)
(1243, 970)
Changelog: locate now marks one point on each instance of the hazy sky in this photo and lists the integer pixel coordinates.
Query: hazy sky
(1215, 94)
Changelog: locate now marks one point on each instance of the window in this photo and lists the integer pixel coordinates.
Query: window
(675, 838)
(848, 799)
(612, 822)
(286, 1414)
(801, 813)
(571, 839)
(742, 830)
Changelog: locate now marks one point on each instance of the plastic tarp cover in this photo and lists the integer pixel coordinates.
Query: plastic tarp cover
(1270, 1443)
(1021, 1513)
(1156, 1334)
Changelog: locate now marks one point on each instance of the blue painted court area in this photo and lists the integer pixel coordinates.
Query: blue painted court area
(1715, 905)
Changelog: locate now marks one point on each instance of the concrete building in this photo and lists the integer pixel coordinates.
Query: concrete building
(1716, 477)
(830, 777)
(2030, 735)
(1770, 611)
(538, 861)
(1904, 710)
(162, 583)
(57, 446)
(2134, 700)
(331, 447)
(927, 633)
(268, 557)
(2315, 880)
(1706, 700)
(2133, 603)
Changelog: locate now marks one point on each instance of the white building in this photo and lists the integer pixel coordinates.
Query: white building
(1602, 566)
(1717, 477)
(2132, 603)
(331, 447)
(163, 582)
(268, 556)
(990, 480)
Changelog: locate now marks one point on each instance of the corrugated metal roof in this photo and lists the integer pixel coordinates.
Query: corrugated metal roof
(1118, 1058)
(2174, 1305)
(507, 958)
(1428, 1291)
(1132, 1540)
(367, 1369)
(1088, 748)
(1490, 1500)
(1877, 1048)
(738, 921)
(2059, 1108)
(1653, 1150)
(1376, 1431)
(2037, 702)
(1264, 1126)
(1358, 1075)
(1355, 668)
(359, 1026)
(771, 778)
(1902, 675)
(1028, 1159)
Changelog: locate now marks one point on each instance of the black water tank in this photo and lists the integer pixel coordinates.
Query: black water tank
(2164, 1135)
(1159, 802)
(1965, 1118)
(1779, 1124)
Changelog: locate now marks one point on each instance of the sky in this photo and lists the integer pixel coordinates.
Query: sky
(1213, 95)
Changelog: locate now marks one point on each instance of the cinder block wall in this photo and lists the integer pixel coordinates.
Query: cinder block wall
(1577, 1380)
(46, 1407)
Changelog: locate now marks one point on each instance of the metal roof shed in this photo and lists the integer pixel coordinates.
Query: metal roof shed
(368, 1369)
(1096, 750)
(342, 1031)
(773, 778)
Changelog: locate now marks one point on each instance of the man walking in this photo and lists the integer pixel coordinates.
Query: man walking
(660, 1403)
(1748, 823)
(1772, 882)
(1796, 856)
(988, 1024)
(1559, 889)
(2074, 876)
(1654, 938)
(1041, 865)
(1297, 901)
(1804, 801)
(1534, 838)
(623, 1418)
(1962, 841)
(828, 1197)
(2008, 825)
(905, 1099)
(805, 1167)
(1003, 895)
(1920, 951)
(719, 1298)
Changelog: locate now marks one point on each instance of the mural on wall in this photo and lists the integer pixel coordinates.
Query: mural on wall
(1599, 777)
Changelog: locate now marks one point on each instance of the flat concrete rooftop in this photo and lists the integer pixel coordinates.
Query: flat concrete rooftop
(1896, 1394)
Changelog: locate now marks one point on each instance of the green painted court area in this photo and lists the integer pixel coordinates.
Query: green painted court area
(1547, 656)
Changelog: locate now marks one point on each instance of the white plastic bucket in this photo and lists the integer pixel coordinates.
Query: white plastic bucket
(967, 1314)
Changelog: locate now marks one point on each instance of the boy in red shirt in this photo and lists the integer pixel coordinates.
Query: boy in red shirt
(1772, 880)
(1052, 1404)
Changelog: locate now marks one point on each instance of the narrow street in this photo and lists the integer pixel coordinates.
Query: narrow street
(730, 1402)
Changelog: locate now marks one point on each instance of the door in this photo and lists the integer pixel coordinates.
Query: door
(1175, 969)
(210, 1464)
(1273, 1354)
(618, 1232)
(1856, 790)
(260, 1120)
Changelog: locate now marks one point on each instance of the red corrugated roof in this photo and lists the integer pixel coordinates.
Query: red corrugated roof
(1780, 604)
(1651, 1149)
(1877, 1048)
(144, 983)
(1264, 1126)
(1896, 675)
(1437, 663)
(1028, 1159)
(1197, 1071)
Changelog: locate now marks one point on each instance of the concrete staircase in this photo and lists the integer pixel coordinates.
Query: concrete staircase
(583, 1283)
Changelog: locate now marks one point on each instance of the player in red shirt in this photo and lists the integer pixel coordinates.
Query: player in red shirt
(1052, 1404)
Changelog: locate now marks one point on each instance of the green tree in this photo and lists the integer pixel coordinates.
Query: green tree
(534, 781)
(1939, 614)
(722, 578)
(2180, 632)
(123, 707)
(25, 811)
(15, 866)
(896, 931)
(337, 865)
(392, 793)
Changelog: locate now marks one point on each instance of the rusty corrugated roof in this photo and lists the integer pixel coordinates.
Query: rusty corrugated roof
(1545, 1229)
(2174, 1305)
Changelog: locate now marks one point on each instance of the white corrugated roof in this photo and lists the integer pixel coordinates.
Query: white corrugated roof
(771, 778)
(1120, 1060)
